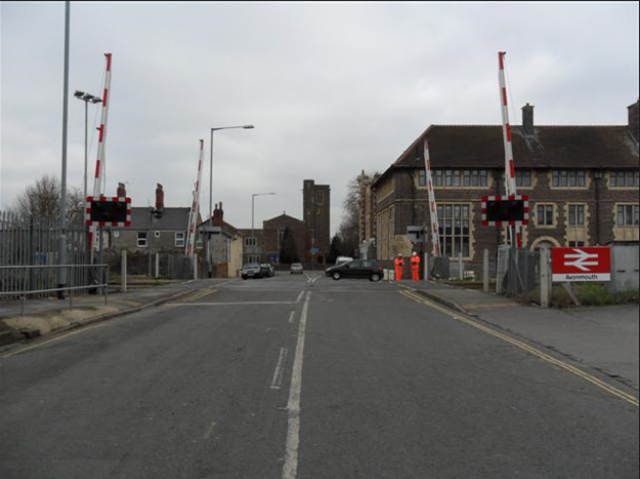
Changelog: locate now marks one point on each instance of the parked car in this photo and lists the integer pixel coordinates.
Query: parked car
(252, 271)
(358, 269)
(268, 271)
(297, 269)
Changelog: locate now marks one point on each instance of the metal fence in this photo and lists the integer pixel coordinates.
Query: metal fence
(30, 241)
(23, 285)
(518, 272)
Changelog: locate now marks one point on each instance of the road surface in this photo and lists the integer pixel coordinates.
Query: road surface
(306, 378)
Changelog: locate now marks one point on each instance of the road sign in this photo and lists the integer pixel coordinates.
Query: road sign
(104, 211)
(510, 210)
(574, 265)
(315, 250)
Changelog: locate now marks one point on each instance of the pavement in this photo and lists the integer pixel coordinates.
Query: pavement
(605, 338)
(307, 378)
(45, 316)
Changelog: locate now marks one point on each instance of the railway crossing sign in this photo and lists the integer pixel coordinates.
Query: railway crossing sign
(573, 265)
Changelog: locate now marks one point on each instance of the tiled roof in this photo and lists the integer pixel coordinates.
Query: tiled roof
(476, 146)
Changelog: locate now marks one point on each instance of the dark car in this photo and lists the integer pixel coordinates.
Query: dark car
(358, 269)
(252, 271)
(268, 271)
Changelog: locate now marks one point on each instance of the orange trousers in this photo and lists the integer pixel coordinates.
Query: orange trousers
(399, 272)
(415, 273)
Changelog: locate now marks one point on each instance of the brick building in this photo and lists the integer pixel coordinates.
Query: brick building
(224, 244)
(153, 229)
(317, 217)
(582, 182)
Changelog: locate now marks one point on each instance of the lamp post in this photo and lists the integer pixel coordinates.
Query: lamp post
(253, 214)
(86, 98)
(241, 127)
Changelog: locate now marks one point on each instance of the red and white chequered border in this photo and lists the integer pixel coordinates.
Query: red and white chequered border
(121, 224)
(527, 216)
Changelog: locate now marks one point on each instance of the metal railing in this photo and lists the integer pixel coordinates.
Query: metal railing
(20, 286)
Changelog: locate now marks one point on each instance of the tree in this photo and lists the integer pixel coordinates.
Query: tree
(42, 201)
(336, 250)
(289, 250)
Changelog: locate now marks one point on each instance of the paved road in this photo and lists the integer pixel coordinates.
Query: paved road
(304, 378)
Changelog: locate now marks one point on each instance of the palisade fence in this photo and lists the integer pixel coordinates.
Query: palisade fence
(30, 241)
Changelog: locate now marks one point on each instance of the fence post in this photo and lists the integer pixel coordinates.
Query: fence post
(486, 271)
(106, 287)
(545, 278)
(460, 267)
(195, 266)
(157, 265)
(123, 271)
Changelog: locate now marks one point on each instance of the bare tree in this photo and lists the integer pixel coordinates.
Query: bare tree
(42, 200)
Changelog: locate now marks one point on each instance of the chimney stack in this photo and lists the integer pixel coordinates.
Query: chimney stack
(218, 216)
(633, 121)
(122, 190)
(159, 198)
(527, 120)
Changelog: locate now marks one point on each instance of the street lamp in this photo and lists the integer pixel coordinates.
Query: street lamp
(253, 215)
(86, 98)
(241, 127)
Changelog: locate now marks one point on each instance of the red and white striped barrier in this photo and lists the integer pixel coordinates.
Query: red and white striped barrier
(433, 206)
(195, 207)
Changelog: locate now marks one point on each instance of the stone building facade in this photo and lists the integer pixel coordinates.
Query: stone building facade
(317, 217)
(582, 182)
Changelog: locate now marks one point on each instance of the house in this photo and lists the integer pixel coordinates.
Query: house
(582, 182)
(156, 229)
(224, 245)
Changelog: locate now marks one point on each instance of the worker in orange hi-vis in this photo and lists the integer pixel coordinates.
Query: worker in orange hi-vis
(399, 267)
(415, 267)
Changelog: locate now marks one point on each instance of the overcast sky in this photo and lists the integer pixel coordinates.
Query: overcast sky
(331, 88)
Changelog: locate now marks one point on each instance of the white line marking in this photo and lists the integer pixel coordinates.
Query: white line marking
(278, 375)
(210, 430)
(300, 296)
(290, 468)
(263, 303)
(292, 317)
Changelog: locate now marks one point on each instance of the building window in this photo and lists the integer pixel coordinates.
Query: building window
(628, 216)
(524, 178)
(320, 198)
(577, 244)
(157, 234)
(142, 240)
(457, 178)
(422, 178)
(545, 216)
(116, 234)
(569, 179)
(180, 240)
(250, 242)
(576, 215)
(280, 238)
(253, 259)
(455, 229)
(624, 179)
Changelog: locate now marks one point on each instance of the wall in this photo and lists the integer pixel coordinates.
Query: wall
(625, 268)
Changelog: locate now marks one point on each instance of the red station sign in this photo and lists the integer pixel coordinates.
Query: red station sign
(573, 265)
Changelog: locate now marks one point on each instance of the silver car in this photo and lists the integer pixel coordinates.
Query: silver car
(297, 269)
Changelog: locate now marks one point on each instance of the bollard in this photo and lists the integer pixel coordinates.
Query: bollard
(545, 278)
(123, 271)
(486, 271)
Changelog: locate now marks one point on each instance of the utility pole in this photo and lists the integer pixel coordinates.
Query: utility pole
(62, 244)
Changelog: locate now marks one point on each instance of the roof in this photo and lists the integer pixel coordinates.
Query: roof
(476, 146)
(172, 219)
(286, 217)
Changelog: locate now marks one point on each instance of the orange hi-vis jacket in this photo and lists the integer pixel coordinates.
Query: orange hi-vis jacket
(415, 262)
